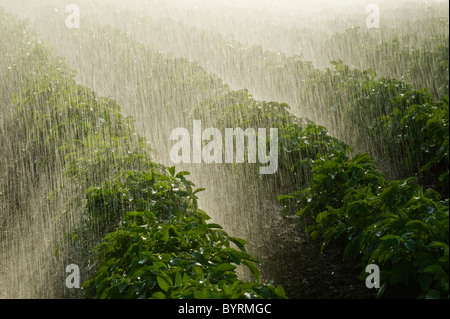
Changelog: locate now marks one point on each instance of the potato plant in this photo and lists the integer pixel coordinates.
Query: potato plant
(393, 223)
(165, 248)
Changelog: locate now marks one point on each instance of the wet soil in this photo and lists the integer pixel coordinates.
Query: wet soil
(305, 272)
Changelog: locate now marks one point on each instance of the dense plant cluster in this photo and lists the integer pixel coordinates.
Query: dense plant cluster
(361, 98)
(298, 138)
(157, 239)
(421, 130)
(393, 223)
(164, 248)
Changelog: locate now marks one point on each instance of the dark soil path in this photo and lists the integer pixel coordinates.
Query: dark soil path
(307, 273)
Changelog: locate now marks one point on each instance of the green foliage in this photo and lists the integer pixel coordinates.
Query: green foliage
(164, 248)
(399, 56)
(332, 176)
(402, 127)
(394, 224)
(419, 133)
(300, 140)
(157, 242)
(409, 239)
(63, 122)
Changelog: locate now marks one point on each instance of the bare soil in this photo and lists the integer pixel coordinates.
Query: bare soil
(305, 272)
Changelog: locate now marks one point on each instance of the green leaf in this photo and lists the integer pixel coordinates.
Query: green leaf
(199, 190)
(201, 294)
(320, 217)
(164, 282)
(425, 281)
(235, 255)
(382, 290)
(122, 286)
(183, 173)
(253, 269)
(158, 295)
(435, 269)
(352, 249)
(171, 170)
(410, 245)
(222, 268)
(239, 242)
(178, 279)
(433, 294)
(199, 257)
(284, 197)
(438, 244)
(212, 225)
(158, 265)
(393, 238)
(280, 291)
(418, 227)
(186, 277)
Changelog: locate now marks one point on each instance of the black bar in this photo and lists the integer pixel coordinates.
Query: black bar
(315, 308)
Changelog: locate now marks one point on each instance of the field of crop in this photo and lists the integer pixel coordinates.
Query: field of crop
(224, 151)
